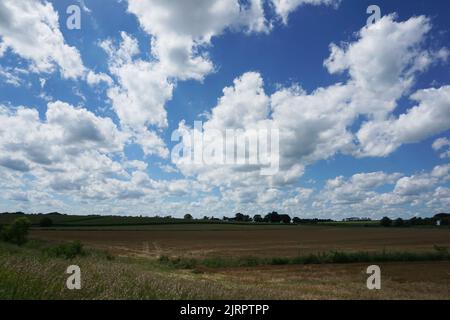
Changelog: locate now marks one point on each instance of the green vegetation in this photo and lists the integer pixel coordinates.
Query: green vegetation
(439, 254)
(386, 222)
(36, 270)
(66, 250)
(91, 222)
(29, 272)
(16, 232)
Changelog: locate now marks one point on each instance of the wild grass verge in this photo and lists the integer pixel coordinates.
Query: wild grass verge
(37, 270)
(438, 254)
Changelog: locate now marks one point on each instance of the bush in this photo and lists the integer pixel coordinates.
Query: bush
(66, 250)
(46, 222)
(16, 232)
(279, 261)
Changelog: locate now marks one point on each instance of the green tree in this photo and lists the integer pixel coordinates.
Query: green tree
(399, 222)
(386, 222)
(258, 218)
(285, 218)
(188, 216)
(16, 232)
(272, 217)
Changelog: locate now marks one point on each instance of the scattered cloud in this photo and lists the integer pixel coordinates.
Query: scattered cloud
(30, 29)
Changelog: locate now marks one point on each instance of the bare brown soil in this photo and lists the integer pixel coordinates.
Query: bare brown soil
(277, 242)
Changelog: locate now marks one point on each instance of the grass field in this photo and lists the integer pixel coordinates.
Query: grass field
(229, 261)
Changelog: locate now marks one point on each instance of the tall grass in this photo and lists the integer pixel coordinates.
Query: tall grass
(30, 272)
(439, 254)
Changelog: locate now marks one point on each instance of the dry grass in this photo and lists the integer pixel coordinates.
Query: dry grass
(134, 273)
(27, 274)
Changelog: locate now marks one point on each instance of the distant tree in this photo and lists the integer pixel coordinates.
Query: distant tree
(418, 221)
(272, 217)
(258, 218)
(297, 220)
(285, 218)
(399, 222)
(205, 218)
(188, 216)
(444, 219)
(442, 216)
(16, 232)
(239, 217)
(45, 222)
(386, 222)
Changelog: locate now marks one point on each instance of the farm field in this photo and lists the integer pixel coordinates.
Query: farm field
(226, 261)
(198, 241)
(26, 273)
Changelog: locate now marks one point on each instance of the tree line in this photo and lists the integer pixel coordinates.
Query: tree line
(271, 217)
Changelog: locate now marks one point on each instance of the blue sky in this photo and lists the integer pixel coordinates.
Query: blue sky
(363, 112)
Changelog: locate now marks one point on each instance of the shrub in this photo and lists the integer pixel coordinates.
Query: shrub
(279, 261)
(164, 259)
(66, 250)
(46, 222)
(16, 232)
(249, 262)
(179, 263)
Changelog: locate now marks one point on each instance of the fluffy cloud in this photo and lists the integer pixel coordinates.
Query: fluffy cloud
(430, 117)
(179, 33)
(180, 38)
(360, 193)
(442, 143)
(357, 189)
(64, 153)
(66, 134)
(140, 94)
(285, 7)
(96, 78)
(71, 152)
(383, 62)
(31, 30)
(74, 153)
(318, 125)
